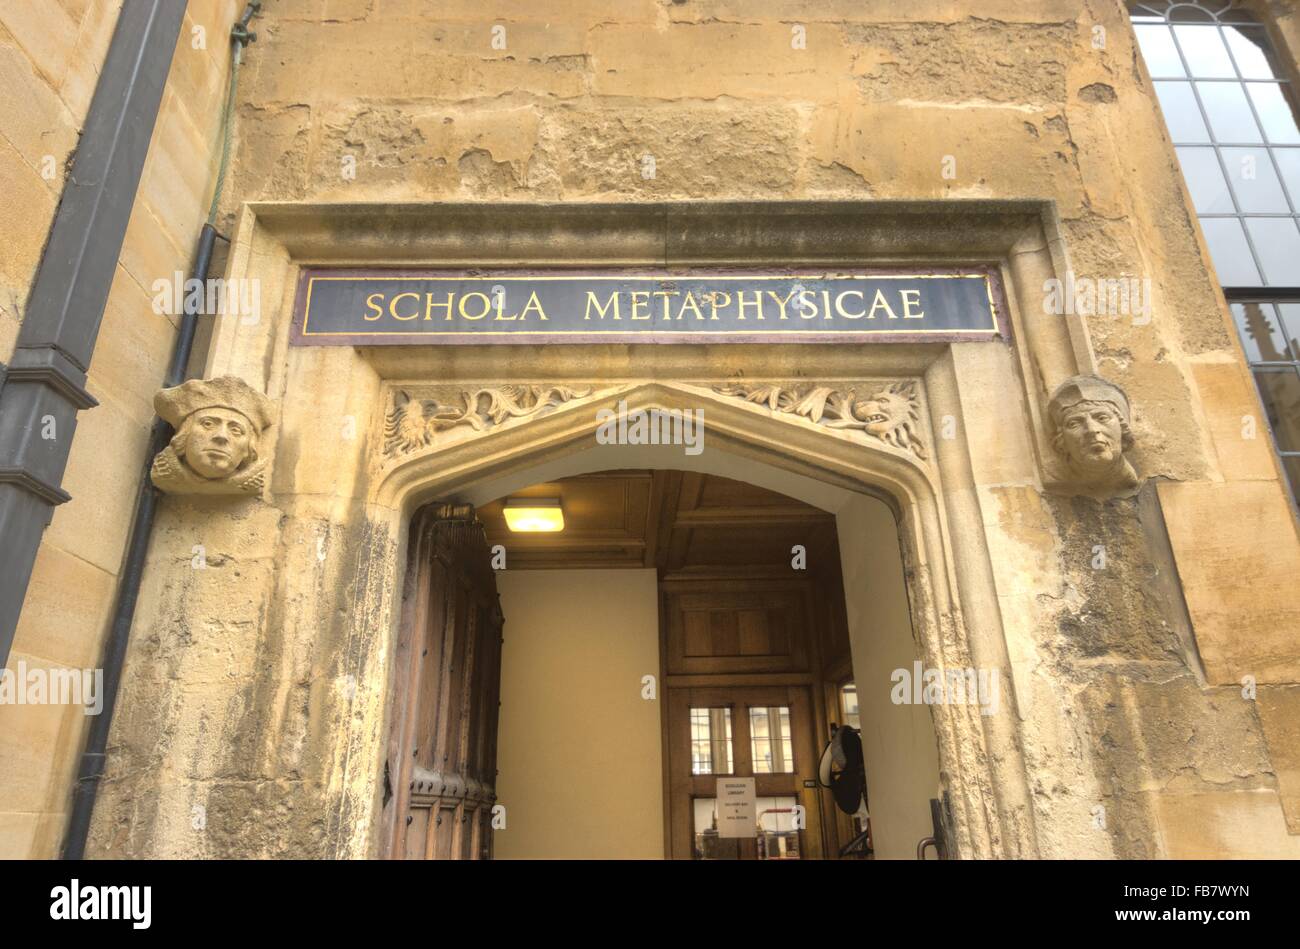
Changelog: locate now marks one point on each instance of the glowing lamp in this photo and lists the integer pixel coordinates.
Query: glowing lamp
(534, 515)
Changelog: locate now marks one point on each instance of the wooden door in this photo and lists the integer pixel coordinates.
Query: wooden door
(440, 774)
(762, 732)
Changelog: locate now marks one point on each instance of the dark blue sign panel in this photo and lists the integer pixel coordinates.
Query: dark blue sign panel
(378, 308)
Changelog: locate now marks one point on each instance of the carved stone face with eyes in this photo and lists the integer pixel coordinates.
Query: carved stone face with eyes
(882, 413)
(1090, 418)
(1092, 435)
(217, 448)
(217, 443)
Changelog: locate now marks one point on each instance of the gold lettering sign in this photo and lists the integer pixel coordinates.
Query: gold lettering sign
(384, 308)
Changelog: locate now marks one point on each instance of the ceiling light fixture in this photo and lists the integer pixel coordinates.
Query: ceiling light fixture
(534, 515)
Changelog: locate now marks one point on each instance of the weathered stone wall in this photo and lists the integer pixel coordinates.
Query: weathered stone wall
(657, 100)
(50, 56)
(1130, 714)
(583, 97)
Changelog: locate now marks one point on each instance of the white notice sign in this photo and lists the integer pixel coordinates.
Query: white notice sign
(737, 808)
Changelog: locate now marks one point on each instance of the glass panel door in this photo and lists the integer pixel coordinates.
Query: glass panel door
(736, 733)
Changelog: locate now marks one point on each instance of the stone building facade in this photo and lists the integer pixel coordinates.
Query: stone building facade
(1137, 597)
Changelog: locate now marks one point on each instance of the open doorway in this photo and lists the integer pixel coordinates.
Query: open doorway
(681, 629)
(727, 596)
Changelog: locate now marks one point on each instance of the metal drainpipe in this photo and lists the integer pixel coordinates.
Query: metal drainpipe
(91, 768)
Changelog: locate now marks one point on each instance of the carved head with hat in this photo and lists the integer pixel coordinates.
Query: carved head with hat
(219, 423)
(1090, 422)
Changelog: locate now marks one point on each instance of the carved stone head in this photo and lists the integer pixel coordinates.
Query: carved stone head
(882, 412)
(219, 425)
(1090, 421)
(892, 415)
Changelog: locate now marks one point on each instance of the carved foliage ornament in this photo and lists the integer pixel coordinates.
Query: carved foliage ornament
(890, 413)
(413, 423)
(216, 449)
(1090, 433)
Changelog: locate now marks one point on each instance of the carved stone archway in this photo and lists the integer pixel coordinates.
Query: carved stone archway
(279, 656)
(506, 435)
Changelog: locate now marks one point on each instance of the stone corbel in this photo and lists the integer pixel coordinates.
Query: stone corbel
(1090, 434)
(218, 446)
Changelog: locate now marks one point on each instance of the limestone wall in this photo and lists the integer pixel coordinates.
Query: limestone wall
(50, 54)
(655, 100)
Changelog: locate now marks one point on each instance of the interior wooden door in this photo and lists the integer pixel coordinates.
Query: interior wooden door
(761, 732)
(440, 774)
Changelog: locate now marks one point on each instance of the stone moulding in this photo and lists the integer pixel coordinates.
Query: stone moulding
(870, 412)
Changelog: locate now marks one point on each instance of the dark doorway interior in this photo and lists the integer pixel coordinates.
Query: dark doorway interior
(754, 661)
(752, 658)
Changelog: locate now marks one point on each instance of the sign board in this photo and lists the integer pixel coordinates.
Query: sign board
(737, 807)
(379, 308)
